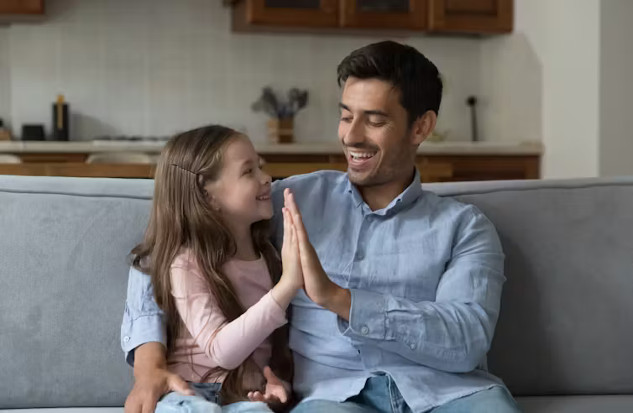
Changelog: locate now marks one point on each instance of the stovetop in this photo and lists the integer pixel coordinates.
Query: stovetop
(130, 139)
(133, 138)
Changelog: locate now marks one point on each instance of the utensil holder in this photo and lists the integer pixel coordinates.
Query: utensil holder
(281, 130)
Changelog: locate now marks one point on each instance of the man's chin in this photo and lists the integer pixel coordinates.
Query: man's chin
(360, 179)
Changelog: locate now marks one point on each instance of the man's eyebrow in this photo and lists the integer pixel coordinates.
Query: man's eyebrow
(375, 112)
(366, 112)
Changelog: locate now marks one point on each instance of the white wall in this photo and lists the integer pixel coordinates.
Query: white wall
(616, 88)
(544, 81)
(153, 67)
(5, 97)
(511, 85)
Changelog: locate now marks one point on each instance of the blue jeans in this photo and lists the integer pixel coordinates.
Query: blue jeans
(381, 395)
(206, 400)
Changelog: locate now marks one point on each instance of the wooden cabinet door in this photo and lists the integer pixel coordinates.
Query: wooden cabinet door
(471, 16)
(384, 14)
(311, 13)
(21, 6)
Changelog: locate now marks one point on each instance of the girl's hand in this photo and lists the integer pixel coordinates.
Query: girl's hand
(292, 275)
(290, 259)
(276, 394)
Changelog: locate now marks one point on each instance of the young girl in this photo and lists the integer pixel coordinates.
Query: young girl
(213, 269)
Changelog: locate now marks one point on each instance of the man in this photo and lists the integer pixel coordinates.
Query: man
(402, 287)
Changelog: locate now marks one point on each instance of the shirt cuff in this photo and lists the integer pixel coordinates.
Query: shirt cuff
(367, 316)
(144, 329)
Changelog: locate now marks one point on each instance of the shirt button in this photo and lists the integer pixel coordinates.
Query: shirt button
(126, 338)
(412, 346)
(364, 330)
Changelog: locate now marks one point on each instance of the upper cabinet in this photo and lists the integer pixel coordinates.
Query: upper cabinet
(383, 14)
(437, 16)
(471, 16)
(17, 7)
(21, 10)
(306, 13)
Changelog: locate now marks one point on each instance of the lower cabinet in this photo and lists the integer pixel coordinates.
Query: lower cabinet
(433, 168)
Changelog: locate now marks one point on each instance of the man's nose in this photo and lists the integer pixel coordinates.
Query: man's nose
(354, 134)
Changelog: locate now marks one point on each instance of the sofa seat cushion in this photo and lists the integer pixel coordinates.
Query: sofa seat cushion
(576, 404)
(68, 410)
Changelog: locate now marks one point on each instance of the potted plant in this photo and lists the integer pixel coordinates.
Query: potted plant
(281, 112)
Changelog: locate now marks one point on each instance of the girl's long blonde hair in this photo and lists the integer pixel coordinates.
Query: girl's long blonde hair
(181, 216)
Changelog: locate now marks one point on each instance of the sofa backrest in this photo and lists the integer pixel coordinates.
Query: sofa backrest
(63, 279)
(567, 307)
(565, 325)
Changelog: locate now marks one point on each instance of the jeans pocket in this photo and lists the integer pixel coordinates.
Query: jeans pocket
(208, 391)
(177, 403)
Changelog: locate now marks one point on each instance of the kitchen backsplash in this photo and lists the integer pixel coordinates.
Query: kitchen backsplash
(153, 67)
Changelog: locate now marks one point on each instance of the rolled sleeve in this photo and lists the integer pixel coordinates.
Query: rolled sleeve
(143, 320)
(144, 329)
(367, 317)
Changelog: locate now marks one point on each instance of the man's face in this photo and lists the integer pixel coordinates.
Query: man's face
(374, 133)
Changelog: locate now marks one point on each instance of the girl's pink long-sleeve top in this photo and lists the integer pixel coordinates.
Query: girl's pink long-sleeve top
(209, 341)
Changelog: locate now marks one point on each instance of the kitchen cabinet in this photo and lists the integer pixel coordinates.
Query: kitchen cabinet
(381, 14)
(21, 11)
(339, 16)
(18, 7)
(471, 16)
(306, 13)
(432, 167)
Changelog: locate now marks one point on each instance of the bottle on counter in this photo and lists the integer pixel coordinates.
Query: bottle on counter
(5, 134)
(60, 119)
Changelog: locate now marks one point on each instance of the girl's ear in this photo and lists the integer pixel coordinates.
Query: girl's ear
(212, 201)
(210, 198)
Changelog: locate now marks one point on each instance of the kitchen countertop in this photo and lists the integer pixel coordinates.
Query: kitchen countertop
(300, 148)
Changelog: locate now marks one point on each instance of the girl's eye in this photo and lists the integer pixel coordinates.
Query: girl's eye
(248, 171)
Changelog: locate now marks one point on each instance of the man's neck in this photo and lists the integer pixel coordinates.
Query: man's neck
(379, 196)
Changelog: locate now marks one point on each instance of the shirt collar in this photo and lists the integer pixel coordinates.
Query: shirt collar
(406, 198)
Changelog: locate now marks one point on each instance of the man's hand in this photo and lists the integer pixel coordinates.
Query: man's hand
(276, 394)
(152, 380)
(317, 284)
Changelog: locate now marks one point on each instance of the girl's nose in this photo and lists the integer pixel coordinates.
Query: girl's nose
(266, 179)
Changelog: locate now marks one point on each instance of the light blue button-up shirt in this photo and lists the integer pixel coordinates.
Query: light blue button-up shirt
(425, 275)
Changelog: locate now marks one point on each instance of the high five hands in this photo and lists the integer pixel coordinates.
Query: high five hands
(317, 285)
(299, 259)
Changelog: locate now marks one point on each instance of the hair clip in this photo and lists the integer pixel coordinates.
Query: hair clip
(184, 169)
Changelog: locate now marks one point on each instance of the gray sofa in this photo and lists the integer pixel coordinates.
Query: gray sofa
(564, 342)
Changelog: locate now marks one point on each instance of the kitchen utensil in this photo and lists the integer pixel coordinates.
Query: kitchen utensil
(472, 102)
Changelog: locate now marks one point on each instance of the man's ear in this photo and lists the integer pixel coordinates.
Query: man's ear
(423, 127)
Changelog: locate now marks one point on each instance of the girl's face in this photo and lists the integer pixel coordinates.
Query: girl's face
(242, 190)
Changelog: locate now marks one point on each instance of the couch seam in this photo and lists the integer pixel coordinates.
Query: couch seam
(493, 191)
(9, 191)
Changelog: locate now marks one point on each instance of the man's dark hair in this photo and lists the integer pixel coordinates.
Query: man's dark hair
(415, 76)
